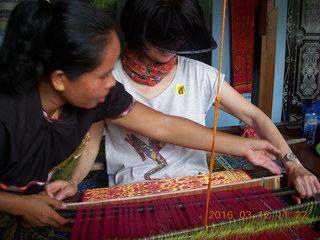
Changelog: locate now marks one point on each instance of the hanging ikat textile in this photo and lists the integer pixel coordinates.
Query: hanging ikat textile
(243, 26)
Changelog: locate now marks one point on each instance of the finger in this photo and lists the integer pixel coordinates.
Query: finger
(64, 193)
(271, 166)
(313, 189)
(35, 223)
(42, 193)
(300, 189)
(296, 199)
(52, 223)
(309, 191)
(306, 182)
(52, 218)
(26, 224)
(270, 156)
(270, 148)
(260, 159)
(317, 185)
(49, 193)
(66, 227)
(60, 220)
(313, 185)
(55, 203)
(67, 222)
(51, 189)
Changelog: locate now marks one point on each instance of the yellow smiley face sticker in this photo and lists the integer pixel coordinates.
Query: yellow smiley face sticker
(181, 90)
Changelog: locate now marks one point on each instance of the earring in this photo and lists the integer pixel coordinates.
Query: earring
(60, 88)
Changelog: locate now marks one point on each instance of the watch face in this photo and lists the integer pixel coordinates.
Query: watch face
(290, 156)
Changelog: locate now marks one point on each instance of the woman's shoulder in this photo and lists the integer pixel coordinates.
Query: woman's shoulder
(117, 71)
(195, 65)
(118, 65)
(187, 61)
(18, 106)
(16, 99)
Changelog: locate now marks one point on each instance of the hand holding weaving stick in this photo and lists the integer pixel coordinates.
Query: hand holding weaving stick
(36, 210)
(303, 181)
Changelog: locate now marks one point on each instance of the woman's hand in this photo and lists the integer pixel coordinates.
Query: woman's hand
(262, 153)
(37, 211)
(61, 189)
(305, 183)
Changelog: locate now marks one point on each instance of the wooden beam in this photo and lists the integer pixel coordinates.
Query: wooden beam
(268, 53)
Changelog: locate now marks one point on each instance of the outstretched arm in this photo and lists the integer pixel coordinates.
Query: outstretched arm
(304, 182)
(186, 133)
(62, 189)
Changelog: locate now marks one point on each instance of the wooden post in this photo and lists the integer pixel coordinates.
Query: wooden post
(268, 53)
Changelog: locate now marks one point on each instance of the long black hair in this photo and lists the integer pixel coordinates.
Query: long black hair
(41, 37)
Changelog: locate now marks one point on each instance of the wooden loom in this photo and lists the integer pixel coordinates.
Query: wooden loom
(153, 211)
(169, 214)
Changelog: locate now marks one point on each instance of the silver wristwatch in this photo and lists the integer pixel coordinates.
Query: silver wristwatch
(290, 157)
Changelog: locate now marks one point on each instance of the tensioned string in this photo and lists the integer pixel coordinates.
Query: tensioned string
(216, 113)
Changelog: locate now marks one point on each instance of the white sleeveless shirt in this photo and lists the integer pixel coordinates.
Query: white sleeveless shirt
(134, 158)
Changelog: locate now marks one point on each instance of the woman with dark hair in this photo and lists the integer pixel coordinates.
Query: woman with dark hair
(156, 32)
(55, 76)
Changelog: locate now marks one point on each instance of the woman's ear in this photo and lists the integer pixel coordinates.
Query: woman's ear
(58, 79)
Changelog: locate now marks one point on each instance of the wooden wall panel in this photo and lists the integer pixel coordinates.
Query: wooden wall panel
(302, 77)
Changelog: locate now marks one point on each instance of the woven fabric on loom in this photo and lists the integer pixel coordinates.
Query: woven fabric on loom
(243, 26)
(164, 216)
(232, 162)
(163, 186)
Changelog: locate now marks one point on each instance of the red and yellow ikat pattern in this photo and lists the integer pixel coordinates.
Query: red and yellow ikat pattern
(164, 186)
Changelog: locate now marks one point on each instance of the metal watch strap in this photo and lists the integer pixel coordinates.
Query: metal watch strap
(290, 157)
